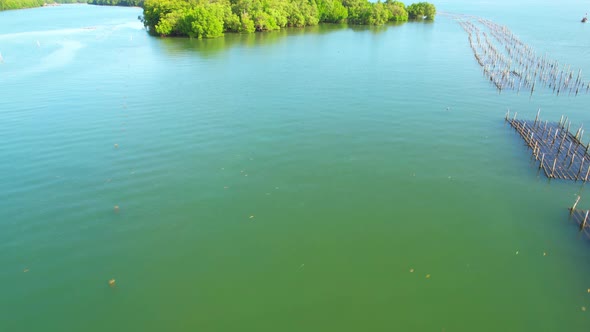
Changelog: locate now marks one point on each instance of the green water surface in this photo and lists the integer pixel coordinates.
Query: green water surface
(284, 181)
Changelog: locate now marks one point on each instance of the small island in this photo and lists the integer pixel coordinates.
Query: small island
(206, 19)
(213, 18)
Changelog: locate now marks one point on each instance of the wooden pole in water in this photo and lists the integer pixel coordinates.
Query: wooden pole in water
(542, 159)
(584, 222)
(580, 170)
(571, 161)
(537, 117)
(575, 204)
(568, 150)
(553, 169)
(588, 172)
(561, 144)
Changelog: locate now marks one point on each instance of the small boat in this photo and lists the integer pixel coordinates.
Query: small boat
(585, 19)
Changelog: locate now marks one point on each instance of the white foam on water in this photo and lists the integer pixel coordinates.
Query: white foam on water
(43, 33)
(59, 57)
(62, 56)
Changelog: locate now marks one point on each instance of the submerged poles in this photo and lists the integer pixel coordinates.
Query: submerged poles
(509, 63)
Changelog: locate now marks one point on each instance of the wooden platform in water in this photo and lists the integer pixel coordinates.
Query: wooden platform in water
(582, 218)
(561, 155)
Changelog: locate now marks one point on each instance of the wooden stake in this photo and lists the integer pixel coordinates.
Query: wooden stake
(542, 158)
(575, 204)
(553, 169)
(584, 222)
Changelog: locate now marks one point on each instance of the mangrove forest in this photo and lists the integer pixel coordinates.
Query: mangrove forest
(210, 19)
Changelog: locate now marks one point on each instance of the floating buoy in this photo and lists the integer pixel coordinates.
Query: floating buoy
(428, 276)
(112, 282)
(411, 270)
(116, 146)
(116, 208)
(27, 270)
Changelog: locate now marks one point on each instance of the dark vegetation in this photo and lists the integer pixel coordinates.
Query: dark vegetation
(18, 4)
(130, 3)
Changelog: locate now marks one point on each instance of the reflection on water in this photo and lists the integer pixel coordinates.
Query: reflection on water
(210, 47)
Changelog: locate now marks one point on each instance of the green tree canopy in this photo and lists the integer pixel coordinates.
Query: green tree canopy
(398, 10)
(211, 18)
(422, 10)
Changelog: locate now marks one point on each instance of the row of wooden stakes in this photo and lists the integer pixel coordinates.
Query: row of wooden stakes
(515, 65)
(548, 142)
(580, 217)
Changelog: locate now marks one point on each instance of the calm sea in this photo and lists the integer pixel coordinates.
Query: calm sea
(284, 181)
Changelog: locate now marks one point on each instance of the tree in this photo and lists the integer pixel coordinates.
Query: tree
(379, 14)
(422, 10)
(398, 11)
(331, 11)
(359, 11)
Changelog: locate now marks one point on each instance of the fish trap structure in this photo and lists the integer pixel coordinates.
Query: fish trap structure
(581, 217)
(561, 154)
(510, 64)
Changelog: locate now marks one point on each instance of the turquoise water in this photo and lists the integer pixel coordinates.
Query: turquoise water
(283, 181)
